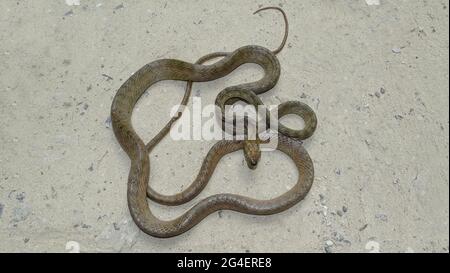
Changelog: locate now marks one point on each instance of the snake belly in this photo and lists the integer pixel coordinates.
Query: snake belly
(168, 69)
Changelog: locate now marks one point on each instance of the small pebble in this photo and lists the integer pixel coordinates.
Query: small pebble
(116, 226)
(396, 50)
(108, 122)
(344, 209)
(382, 217)
(363, 227)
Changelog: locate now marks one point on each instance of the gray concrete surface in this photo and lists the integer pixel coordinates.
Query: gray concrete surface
(377, 76)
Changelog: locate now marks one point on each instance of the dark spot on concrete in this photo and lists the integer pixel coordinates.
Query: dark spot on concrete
(116, 226)
(69, 13)
(322, 198)
(344, 209)
(85, 106)
(363, 227)
(121, 6)
(26, 240)
(108, 78)
(67, 104)
(67, 62)
(20, 196)
(91, 168)
(1, 209)
(399, 117)
(54, 193)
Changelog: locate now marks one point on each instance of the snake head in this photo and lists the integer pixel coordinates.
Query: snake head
(252, 153)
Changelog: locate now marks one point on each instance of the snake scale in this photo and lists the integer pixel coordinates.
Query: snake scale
(289, 141)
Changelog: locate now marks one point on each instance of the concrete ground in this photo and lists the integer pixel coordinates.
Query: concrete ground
(376, 73)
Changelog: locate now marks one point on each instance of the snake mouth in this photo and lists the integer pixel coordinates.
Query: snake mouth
(252, 164)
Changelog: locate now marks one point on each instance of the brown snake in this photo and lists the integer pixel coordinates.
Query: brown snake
(168, 69)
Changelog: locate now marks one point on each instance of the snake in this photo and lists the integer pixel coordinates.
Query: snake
(288, 141)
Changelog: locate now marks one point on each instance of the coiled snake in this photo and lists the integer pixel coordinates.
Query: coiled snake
(288, 140)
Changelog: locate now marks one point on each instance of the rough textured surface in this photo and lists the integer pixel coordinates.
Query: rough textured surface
(376, 75)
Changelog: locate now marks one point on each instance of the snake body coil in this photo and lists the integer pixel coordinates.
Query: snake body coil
(138, 188)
